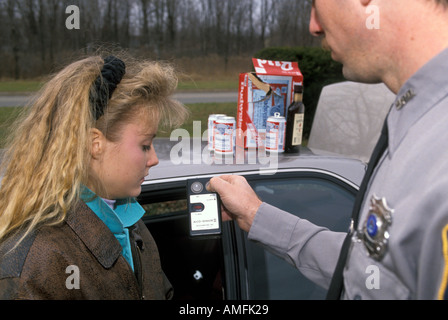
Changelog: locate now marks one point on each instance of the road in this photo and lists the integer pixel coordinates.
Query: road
(184, 97)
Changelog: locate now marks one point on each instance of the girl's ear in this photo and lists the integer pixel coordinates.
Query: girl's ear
(98, 141)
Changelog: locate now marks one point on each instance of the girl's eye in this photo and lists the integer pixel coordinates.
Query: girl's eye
(146, 148)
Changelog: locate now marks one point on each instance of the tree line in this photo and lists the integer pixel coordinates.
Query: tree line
(34, 36)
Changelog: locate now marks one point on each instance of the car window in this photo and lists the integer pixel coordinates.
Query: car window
(321, 200)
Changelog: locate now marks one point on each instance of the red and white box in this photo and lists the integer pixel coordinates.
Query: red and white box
(262, 94)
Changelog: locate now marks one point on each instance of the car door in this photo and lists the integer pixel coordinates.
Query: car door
(316, 196)
(231, 267)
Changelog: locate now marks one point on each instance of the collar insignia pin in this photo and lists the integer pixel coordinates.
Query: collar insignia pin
(401, 102)
(375, 234)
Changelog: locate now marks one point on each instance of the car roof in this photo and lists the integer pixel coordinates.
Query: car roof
(181, 160)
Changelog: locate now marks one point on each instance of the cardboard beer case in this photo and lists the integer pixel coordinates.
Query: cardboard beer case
(268, 90)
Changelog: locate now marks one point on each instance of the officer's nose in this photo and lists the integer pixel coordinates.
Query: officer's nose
(315, 26)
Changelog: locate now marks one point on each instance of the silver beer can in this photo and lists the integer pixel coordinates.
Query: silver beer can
(224, 135)
(275, 133)
(211, 129)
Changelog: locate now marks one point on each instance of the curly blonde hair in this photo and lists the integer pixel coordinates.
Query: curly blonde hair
(47, 161)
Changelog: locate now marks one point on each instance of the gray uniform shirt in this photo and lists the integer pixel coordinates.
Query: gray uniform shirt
(412, 180)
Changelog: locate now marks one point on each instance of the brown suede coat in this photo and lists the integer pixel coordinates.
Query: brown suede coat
(37, 269)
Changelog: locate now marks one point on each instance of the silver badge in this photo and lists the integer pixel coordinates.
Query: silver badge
(375, 234)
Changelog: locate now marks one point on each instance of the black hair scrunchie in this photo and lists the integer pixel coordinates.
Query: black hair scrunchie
(111, 75)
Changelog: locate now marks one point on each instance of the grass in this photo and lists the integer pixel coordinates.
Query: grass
(198, 112)
(213, 85)
(198, 74)
(7, 117)
(20, 86)
(25, 86)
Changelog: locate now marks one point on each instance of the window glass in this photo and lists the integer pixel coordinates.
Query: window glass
(322, 201)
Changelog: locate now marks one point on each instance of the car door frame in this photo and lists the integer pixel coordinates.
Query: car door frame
(234, 240)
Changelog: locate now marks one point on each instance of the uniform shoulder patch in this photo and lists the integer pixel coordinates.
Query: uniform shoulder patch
(443, 291)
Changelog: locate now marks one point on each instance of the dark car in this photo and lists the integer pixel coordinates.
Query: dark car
(317, 187)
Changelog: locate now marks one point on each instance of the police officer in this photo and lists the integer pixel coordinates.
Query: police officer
(398, 247)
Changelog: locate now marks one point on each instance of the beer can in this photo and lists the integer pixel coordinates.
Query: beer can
(275, 133)
(211, 129)
(225, 135)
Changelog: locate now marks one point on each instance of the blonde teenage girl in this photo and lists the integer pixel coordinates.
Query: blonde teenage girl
(70, 226)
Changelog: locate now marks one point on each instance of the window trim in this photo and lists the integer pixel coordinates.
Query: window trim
(178, 182)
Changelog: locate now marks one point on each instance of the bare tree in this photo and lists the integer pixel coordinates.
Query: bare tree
(34, 37)
(172, 12)
(266, 16)
(14, 36)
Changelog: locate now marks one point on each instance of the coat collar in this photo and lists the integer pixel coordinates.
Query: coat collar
(94, 234)
(419, 95)
(125, 214)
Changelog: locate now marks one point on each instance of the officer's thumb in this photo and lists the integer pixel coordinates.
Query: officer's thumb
(216, 184)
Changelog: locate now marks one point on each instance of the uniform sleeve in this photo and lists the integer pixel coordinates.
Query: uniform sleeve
(313, 250)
